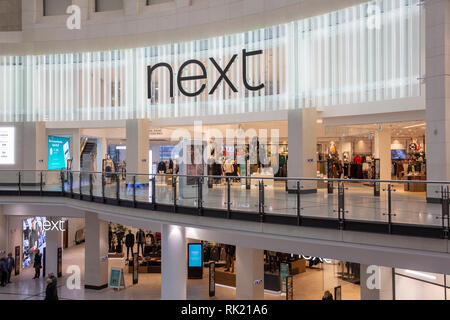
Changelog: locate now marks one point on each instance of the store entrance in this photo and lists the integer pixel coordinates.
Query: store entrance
(352, 152)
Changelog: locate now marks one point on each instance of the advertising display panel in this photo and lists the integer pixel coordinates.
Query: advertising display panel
(58, 152)
(195, 268)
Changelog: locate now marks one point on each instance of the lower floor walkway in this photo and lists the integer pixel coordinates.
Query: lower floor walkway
(307, 286)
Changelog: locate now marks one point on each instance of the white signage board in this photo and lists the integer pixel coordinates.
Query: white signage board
(7, 144)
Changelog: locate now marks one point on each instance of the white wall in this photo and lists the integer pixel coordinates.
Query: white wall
(75, 224)
(166, 22)
(56, 7)
(407, 288)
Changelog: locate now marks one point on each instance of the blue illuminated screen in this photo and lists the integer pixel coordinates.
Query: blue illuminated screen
(195, 254)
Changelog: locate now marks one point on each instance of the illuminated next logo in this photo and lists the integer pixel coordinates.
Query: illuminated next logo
(203, 75)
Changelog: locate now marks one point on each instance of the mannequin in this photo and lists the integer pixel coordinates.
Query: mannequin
(140, 239)
(129, 242)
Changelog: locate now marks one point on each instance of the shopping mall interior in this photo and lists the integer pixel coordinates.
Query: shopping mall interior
(224, 149)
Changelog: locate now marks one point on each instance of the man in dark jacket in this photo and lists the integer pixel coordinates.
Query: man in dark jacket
(129, 242)
(10, 264)
(51, 292)
(4, 272)
(37, 264)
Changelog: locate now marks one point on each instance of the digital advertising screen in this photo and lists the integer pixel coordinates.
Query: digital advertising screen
(398, 154)
(195, 254)
(33, 238)
(58, 152)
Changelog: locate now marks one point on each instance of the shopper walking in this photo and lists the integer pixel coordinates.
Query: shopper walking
(4, 272)
(51, 292)
(37, 264)
(327, 296)
(10, 264)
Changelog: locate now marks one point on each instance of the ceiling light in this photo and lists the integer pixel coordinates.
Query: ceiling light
(415, 125)
(421, 274)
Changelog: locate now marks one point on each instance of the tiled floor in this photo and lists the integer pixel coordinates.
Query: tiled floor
(307, 286)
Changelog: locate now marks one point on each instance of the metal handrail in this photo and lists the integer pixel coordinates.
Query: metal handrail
(66, 181)
(236, 177)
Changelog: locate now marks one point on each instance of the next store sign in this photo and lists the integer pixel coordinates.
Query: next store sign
(203, 75)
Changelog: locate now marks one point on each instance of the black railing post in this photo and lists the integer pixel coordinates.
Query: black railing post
(71, 184)
(41, 182)
(117, 189)
(103, 187)
(341, 206)
(389, 189)
(445, 210)
(228, 198)
(80, 188)
(91, 187)
(134, 191)
(299, 208)
(200, 196)
(61, 175)
(261, 201)
(389, 213)
(20, 183)
(174, 192)
(154, 192)
(329, 175)
(376, 170)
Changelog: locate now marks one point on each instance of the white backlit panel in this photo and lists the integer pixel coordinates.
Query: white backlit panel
(369, 52)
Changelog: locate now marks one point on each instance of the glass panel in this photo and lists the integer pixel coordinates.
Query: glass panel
(164, 191)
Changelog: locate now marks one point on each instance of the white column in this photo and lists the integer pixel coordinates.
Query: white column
(102, 149)
(35, 150)
(51, 251)
(383, 152)
(302, 143)
(437, 35)
(137, 148)
(96, 252)
(376, 282)
(75, 149)
(133, 8)
(249, 274)
(173, 263)
(35, 146)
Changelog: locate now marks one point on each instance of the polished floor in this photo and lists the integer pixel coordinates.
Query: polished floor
(307, 286)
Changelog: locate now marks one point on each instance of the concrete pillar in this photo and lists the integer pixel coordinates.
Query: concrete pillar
(173, 263)
(75, 149)
(137, 148)
(51, 251)
(96, 252)
(133, 8)
(35, 150)
(302, 143)
(102, 149)
(437, 35)
(376, 282)
(249, 274)
(383, 152)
